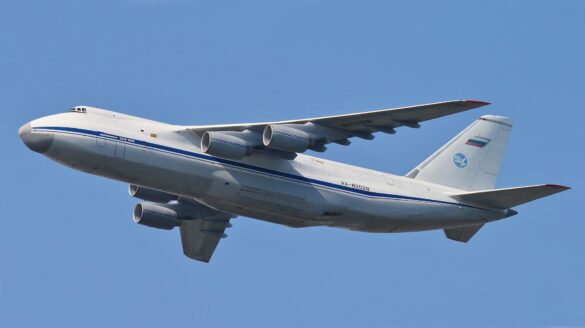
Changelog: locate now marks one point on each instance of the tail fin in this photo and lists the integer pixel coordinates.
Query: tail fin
(471, 160)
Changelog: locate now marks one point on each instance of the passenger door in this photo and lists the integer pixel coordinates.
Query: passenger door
(110, 145)
(120, 149)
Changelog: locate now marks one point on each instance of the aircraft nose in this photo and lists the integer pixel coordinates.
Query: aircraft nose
(39, 142)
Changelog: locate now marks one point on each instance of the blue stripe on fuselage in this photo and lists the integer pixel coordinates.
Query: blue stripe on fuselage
(240, 165)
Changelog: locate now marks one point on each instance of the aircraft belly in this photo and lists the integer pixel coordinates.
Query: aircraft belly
(264, 196)
(439, 216)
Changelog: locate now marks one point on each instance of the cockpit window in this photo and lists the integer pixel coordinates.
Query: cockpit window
(78, 109)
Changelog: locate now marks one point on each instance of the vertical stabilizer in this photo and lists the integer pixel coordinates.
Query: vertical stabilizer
(471, 160)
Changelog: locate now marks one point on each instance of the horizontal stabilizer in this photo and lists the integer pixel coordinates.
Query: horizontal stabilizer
(462, 234)
(510, 197)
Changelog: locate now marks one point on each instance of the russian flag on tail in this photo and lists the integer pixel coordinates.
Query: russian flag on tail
(477, 141)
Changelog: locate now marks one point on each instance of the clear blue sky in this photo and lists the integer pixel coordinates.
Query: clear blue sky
(71, 256)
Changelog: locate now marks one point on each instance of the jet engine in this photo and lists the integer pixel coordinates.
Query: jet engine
(172, 215)
(150, 195)
(156, 216)
(224, 145)
(286, 138)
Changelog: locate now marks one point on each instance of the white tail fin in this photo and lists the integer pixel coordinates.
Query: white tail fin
(471, 160)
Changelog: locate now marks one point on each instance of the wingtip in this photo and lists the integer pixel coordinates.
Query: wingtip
(477, 102)
(558, 186)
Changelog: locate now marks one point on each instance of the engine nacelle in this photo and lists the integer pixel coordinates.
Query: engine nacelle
(286, 138)
(150, 195)
(156, 216)
(224, 145)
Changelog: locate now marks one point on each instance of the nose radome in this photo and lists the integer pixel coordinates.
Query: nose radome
(39, 142)
(24, 129)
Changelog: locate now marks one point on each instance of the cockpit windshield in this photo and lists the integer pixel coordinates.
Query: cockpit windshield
(78, 109)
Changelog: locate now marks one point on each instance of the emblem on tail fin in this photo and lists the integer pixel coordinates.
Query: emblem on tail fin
(478, 141)
(460, 160)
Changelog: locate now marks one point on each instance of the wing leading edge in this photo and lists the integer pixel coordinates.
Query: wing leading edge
(295, 136)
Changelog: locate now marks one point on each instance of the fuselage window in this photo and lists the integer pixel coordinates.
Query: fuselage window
(78, 109)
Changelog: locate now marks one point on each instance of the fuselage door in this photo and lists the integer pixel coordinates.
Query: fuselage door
(107, 146)
(100, 140)
(120, 149)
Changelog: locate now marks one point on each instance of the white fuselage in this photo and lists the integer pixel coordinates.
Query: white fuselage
(306, 191)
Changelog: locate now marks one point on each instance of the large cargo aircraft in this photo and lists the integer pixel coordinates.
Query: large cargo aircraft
(197, 178)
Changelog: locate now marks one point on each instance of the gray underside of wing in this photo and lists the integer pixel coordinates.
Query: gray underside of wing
(462, 234)
(320, 131)
(200, 237)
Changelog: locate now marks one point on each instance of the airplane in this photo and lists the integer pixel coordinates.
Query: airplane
(200, 177)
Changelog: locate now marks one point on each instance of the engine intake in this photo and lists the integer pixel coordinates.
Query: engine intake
(150, 195)
(286, 138)
(156, 216)
(224, 145)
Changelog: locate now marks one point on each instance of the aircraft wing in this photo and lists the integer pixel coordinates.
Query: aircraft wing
(338, 129)
(201, 236)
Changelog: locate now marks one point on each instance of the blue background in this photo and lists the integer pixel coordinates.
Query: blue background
(71, 256)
